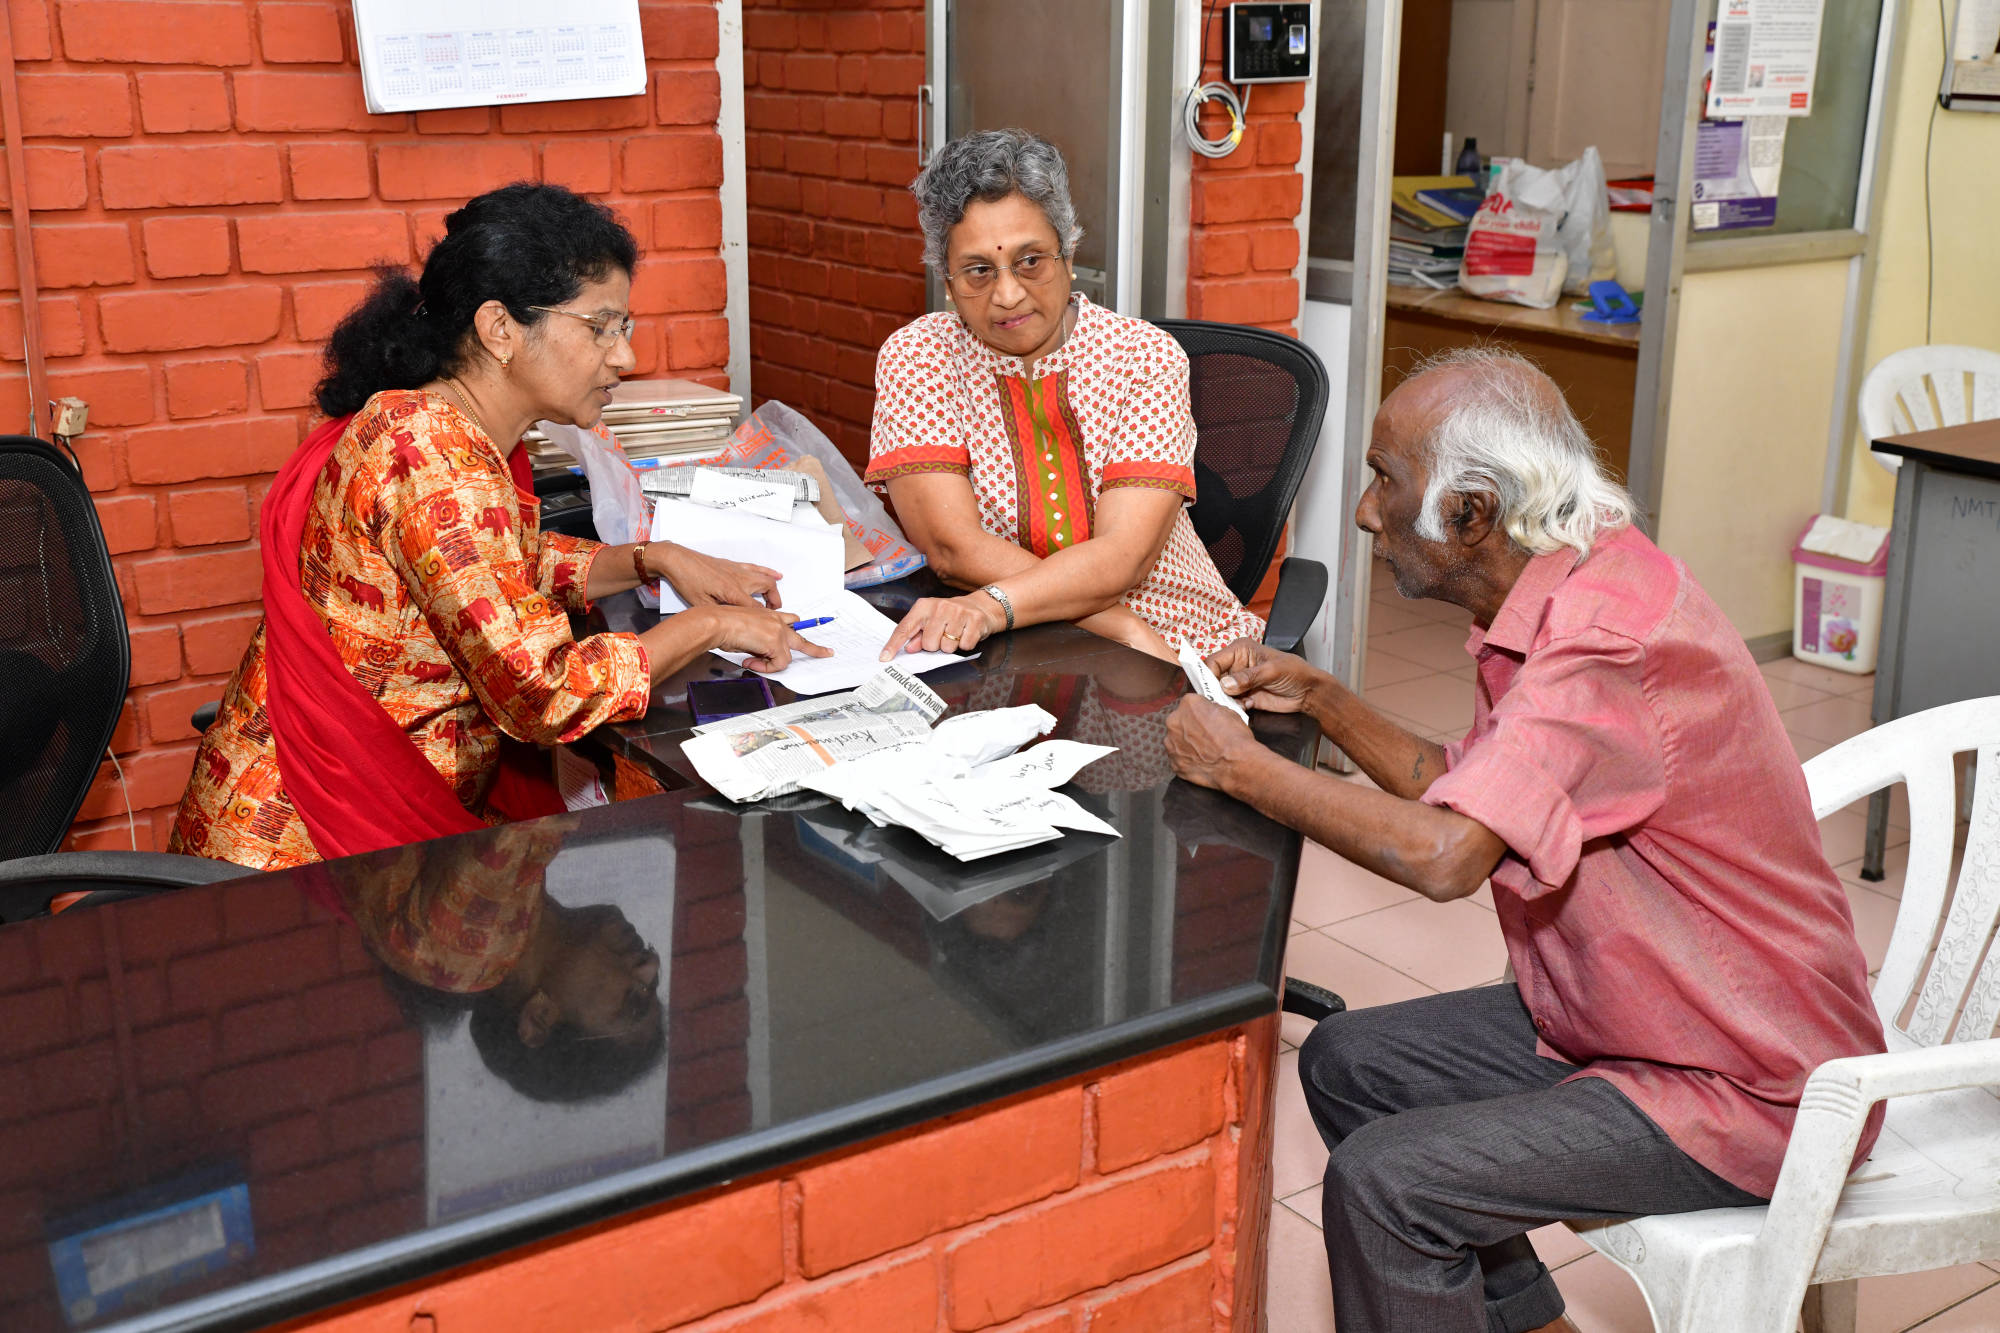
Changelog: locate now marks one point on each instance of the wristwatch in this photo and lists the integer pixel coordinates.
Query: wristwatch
(993, 590)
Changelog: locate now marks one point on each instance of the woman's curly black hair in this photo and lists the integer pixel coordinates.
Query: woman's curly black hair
(522, 245)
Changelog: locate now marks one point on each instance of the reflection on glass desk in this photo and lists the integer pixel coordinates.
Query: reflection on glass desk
(435, 1053)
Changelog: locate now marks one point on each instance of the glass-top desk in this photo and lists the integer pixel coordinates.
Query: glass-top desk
(720, 1029)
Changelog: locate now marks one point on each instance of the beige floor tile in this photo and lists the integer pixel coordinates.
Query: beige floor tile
(1293, 1029)
(1844, 835)
(1301, 1290)
(1805, 747)
(1981, 1314)
(1889, 1304)
(1830, 720)
(1895, 864)
(1298, 1154)
(1602, 1298)
(1333, 888)
(1437, 703)
(1874, 921)
(1818, 677)
(1483, 895)
(1791, 694)
(1349, 973)
(1306, 1203)
(1389, 615)
(1298, 925)
(1382, 668)
(1899, 806)
(1447, 946)
(1439, 647)
(1556, 1245)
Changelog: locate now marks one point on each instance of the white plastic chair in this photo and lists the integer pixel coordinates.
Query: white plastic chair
(1898, 395)
(1929, 1194)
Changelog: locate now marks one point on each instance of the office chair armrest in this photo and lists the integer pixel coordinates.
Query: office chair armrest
(1301, 593)
(28, 884)
(82, 872)
(204, 716)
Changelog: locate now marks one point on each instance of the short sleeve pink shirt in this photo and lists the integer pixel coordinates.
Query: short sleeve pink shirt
(1108, 408)
(1673, 924)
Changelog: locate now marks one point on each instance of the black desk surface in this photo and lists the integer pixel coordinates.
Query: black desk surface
(757, 983)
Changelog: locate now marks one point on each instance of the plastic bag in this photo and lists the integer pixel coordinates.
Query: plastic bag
(1586, 226)
(1541, 233)
(618, 507)
(775, 436)
(1511, 249)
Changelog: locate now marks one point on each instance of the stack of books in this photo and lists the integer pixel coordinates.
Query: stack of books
(1427, 229)
(652, 421)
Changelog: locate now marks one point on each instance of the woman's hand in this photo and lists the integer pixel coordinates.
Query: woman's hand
(767, 636)
(707, 580)
(1264, 678)
(946, 625)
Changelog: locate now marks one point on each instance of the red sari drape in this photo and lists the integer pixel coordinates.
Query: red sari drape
(356, 779)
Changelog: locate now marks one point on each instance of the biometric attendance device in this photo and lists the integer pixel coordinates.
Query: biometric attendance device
(1269, 43)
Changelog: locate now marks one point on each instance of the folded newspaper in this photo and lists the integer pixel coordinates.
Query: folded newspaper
(958, 783)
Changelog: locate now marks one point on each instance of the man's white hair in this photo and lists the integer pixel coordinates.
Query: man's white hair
(1506, 430)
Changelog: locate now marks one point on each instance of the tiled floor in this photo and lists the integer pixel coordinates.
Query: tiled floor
(1375, 943)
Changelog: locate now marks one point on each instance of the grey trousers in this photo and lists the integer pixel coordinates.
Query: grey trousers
(1449, 1139)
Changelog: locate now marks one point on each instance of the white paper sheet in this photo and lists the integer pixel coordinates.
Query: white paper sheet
(763, 498)
(807, 554)
(857, 636)
(1204, 681)
(418, 55)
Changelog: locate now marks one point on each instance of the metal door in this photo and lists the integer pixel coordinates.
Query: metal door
(1074, 72)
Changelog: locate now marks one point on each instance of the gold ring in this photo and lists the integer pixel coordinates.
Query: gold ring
(949, 635)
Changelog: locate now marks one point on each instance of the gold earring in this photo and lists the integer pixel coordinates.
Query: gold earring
(506, 361)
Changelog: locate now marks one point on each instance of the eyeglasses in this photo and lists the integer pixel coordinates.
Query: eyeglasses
(1035, 270)
(608, 328)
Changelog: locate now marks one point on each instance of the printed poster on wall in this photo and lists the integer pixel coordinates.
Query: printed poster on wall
(423, 55)
(1766, 53)
(1736, 167)
(1972, 80)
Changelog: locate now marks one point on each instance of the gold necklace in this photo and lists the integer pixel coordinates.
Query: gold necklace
(465, 406)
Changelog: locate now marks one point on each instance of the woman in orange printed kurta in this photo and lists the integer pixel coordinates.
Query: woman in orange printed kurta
(422, 556)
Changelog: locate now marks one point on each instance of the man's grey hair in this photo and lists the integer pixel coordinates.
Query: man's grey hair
(987, 166)
(1507, 430)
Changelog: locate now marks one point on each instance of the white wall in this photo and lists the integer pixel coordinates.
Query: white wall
(1321, 512)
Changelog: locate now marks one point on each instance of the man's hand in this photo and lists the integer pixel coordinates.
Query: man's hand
(1205, 741)
(1261, 677)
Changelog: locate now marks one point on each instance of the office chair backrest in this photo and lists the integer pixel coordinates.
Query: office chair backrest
(1258, 400)
(64, 653)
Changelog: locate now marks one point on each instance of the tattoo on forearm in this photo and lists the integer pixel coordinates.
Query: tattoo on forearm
(1417, 769)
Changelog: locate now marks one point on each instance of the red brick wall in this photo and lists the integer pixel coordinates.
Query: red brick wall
(836, 260)
(1106, 1204)
(1244, 208)
(209, 192)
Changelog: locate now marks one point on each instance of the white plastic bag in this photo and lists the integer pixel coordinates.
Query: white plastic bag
(1541, 233)
(618, 507)
(1511, 249)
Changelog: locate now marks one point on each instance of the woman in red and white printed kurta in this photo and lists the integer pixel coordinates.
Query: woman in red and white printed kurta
(1106, 408)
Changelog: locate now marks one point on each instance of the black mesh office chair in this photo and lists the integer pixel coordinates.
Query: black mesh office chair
(64, 662)
(1258, 400)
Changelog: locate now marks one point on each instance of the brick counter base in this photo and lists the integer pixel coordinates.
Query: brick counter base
(1132, 1200)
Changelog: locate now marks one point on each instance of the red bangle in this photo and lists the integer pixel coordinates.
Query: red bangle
(639, 562)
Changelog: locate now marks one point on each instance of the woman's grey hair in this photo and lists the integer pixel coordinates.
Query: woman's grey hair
(987, 166)
(1508, 431)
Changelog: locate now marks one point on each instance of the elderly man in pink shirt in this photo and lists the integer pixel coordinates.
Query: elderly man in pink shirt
(1683, 954)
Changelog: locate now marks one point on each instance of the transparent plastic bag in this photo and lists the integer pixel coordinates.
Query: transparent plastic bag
(776, 436)
(618, 507)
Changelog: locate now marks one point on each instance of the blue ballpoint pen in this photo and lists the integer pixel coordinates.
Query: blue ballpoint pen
(811, 624)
